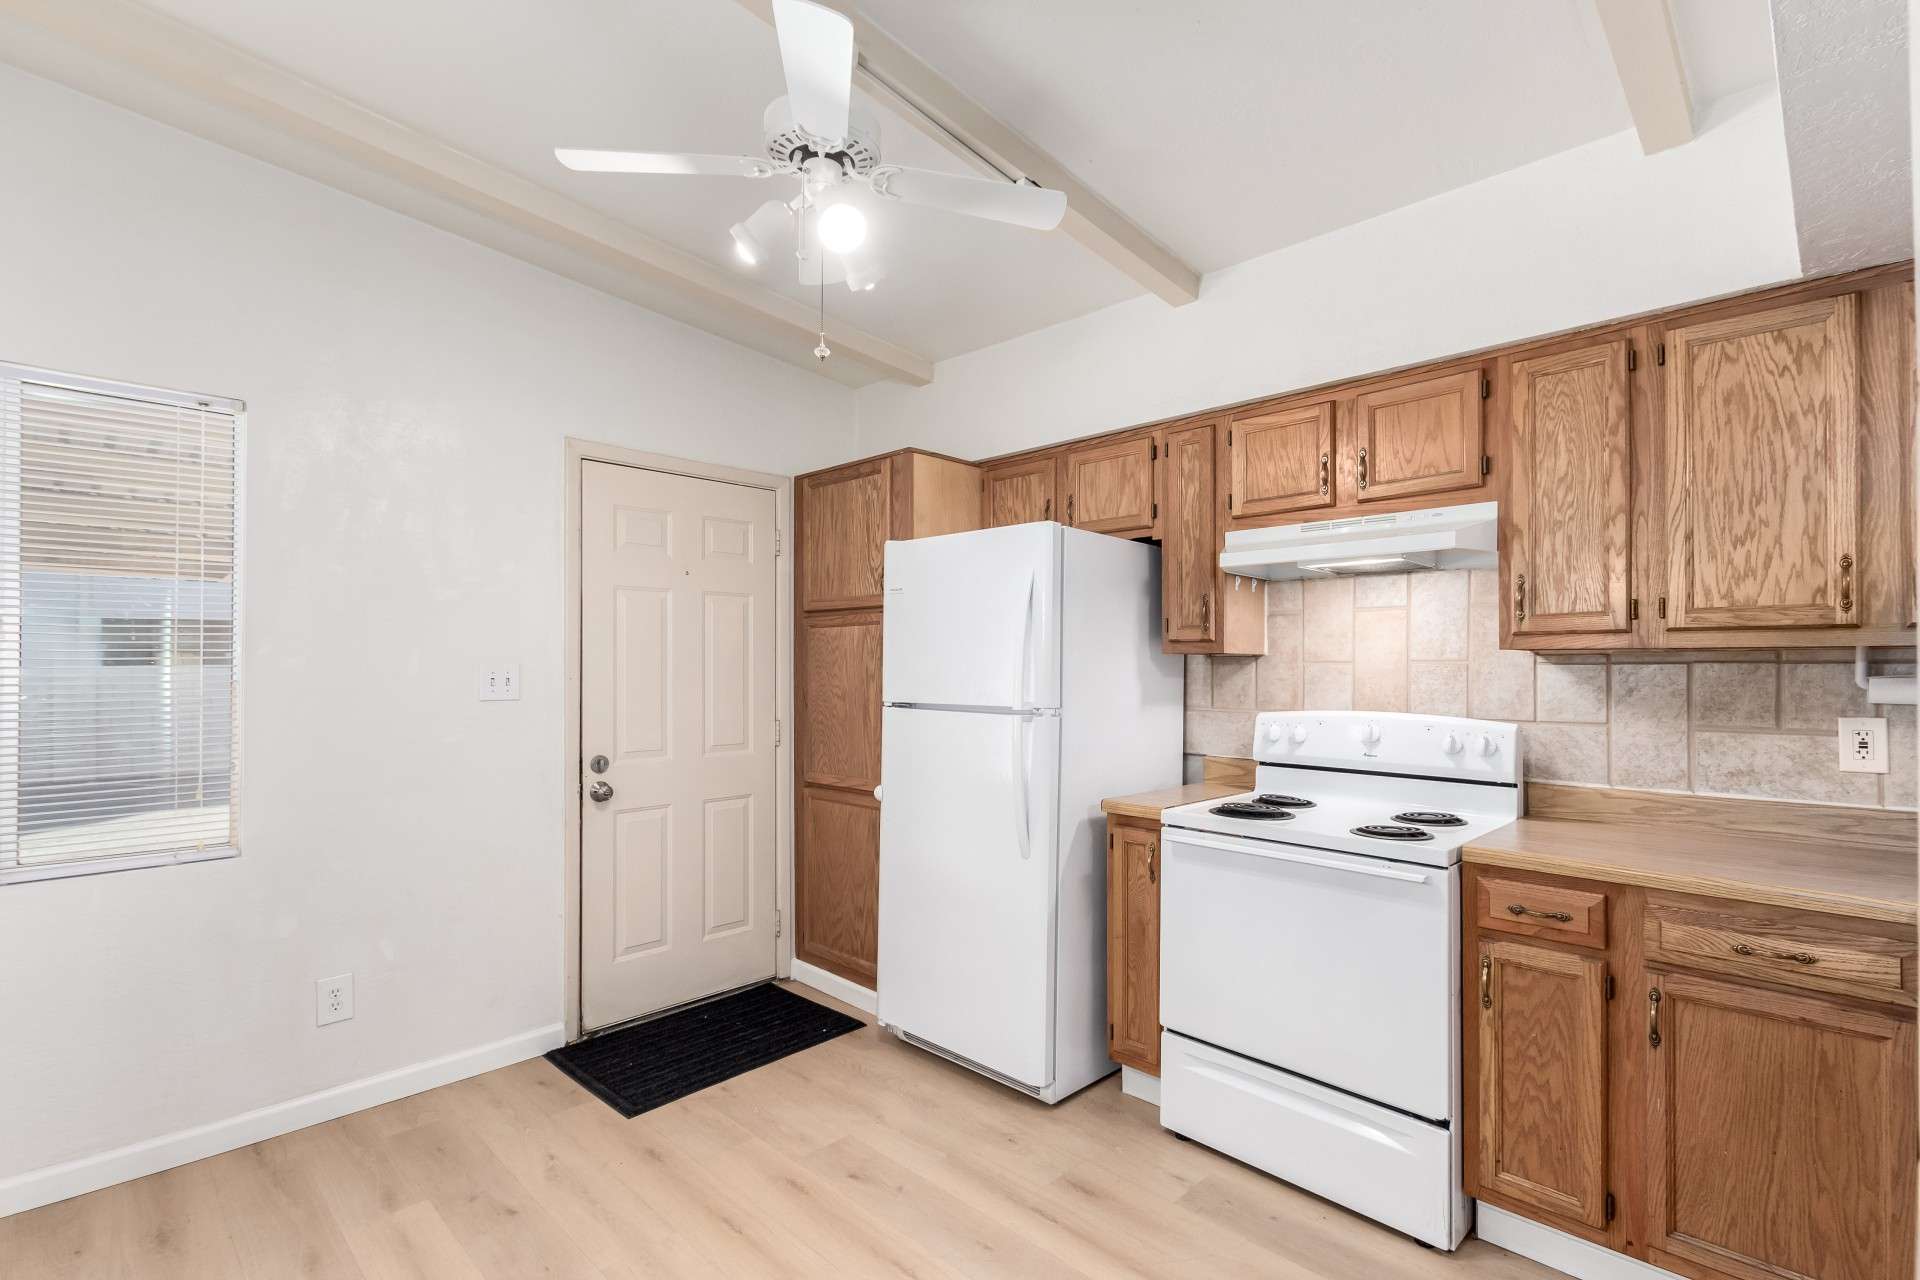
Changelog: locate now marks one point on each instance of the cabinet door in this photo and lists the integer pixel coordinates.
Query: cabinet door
(1189, 550)
(1282, 461)
(836, 882)
(1761, 440)
(1019, 493)
(1780, 1132)
(844, 521)
(839, 699)
(1110, 487)
(1542, 1086)
(1418, 437)
(1133, 945)
(1569, 492)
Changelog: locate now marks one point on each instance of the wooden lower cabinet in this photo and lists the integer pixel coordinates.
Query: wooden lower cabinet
(836, 882)
(1629, 1090)
(1133, 944)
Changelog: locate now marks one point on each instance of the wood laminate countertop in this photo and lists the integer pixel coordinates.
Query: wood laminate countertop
(1148, 805)
(1838, 877)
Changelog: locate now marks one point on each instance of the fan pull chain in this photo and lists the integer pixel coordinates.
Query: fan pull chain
(822, 351)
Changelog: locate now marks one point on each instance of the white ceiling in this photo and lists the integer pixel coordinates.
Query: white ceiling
(1225, 128)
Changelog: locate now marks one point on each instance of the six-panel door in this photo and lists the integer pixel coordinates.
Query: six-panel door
(1762, 435)
(1418, 437)
(1542, 1086)
(1133, 944)
(1110, 487)
(1282, 460)
(1019, 492)
(1780, 1132)
(1570, 493)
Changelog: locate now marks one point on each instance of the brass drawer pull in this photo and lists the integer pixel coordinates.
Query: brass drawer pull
(1653, 1017)
(1323, 475)
(1519, 598)
(1518, 910)
(1486, 982)
(1363, 468)
(1798, 957)
(1846, 584)
(1153, 864)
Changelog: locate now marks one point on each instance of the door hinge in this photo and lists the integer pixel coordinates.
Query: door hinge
(1609, 1206)
(776, 542)
(779, 923)
(1660, 353)
(777, 730)
(1633, 360)
(1609, 986)
(1486, 464)
(1663, 607)
(1486, 387)
(1633, 609)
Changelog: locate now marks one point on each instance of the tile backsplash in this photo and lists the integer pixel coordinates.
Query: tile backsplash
(1758, 723)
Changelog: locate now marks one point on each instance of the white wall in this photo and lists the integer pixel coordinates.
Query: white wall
(407, 396)
(1590, 234)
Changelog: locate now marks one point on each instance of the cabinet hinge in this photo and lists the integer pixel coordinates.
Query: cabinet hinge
(1633, 360)
(1663, 607)
(1609, 1206)
(1156, 512)
(1609, 986)
(1229, 438)
(1153, 451)
(1633, 609)
(777, 729)
(1109, 1032)
(1660, 353)
(1486, 464)
(1229, 500)
(1486, 387)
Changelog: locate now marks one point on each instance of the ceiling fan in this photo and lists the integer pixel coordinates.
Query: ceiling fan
(816, 135)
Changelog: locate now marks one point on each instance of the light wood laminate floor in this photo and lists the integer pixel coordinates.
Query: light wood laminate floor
(862, 1157)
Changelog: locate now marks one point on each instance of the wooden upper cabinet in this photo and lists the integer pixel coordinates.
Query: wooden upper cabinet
(1133, 945)
(1189, 551)
(839, 699)
(1569, 509)
(1542, 1078)
(1019, 492)
(1762, 438)
(1280, 460)
(1780, 1132)
(1419, 437)
(1111, 486)
(844, 522)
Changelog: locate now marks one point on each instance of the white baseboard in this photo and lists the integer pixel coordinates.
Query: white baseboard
(832, 984)
(1579, 1258)
(90, 1173)
(1138, 1084)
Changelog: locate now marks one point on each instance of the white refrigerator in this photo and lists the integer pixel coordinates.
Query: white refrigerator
(1023, 682)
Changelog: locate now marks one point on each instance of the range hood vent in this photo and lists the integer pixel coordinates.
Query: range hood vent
(1460, 537)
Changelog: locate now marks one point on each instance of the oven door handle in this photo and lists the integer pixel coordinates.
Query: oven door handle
(1378, 873)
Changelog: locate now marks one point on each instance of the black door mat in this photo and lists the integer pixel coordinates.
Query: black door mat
(653, 1063)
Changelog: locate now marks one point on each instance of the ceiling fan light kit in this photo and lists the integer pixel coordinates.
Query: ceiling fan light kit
(815, 134)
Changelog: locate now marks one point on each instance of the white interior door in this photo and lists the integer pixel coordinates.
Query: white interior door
(967, 858)
(678, 663)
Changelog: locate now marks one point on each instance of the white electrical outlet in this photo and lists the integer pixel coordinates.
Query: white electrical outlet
(500, 683)
(335, 997)
(1863, 746)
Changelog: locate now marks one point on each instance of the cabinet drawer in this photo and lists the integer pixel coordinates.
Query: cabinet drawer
(1559, 912)
(1792, 948)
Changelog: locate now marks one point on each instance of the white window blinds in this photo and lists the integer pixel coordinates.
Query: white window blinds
(117, 610)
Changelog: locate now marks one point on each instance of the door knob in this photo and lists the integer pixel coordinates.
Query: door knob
(601, 791)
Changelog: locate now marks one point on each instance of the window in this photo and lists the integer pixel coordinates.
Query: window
(117, 609)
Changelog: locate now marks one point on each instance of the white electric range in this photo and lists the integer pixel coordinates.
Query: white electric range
(1310, 957)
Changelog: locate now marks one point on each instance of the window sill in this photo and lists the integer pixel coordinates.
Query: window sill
(32, 872)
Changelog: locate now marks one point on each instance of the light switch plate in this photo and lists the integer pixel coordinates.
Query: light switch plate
(500, 682)
(1863, 745)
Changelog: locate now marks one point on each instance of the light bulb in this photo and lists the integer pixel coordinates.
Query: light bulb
(745, 247)
(841, 228)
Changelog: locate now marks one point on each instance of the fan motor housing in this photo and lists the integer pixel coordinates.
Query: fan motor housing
(789, 144)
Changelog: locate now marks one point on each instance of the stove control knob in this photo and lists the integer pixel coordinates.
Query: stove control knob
(1274, 733)
(1370, 735)
(1299, 734)
(1453, 746)
(1487, 745)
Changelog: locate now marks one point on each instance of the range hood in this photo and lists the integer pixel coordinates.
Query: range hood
(1437, 538)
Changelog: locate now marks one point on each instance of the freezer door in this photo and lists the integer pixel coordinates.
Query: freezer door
(973, 619)
(967, 893)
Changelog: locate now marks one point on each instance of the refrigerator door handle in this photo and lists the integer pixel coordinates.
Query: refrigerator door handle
(1021, 816)
(1026, 648)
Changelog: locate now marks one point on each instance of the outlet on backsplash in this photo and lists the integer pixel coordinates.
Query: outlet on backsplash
(1863, 745)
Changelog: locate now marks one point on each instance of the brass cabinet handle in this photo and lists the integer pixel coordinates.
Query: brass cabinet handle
(1519, 598)
(1046, 509)
(1518, 910)
(1846, 584)
(1486, 982)
(1653, 1016)
(1206, 609)
(1323, 475)
(1153, 863)
(1798, 957)
(1363, 468)
(1069, 508)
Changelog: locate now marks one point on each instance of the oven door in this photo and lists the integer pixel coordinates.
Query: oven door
(1340, 968)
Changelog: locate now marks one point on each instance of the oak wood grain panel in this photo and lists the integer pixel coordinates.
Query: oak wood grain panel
(1510, 904)
(1767, 820)
(1418, 437)
(1238, 770)
(1780, 1132)
(1111, 487)
(1885, 572)
(1569, 492)
(1542, 1078)
(946, 495)
(836, 882)
(838, 699)
(844, 521)
(1868, 960)
(1133, 944)
(1019, 492)
(1762, 438)
(1282, 460)
(1189, 559)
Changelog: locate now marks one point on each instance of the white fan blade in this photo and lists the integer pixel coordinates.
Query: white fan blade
(816, 48)
(1014, 202)
(661, 162)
